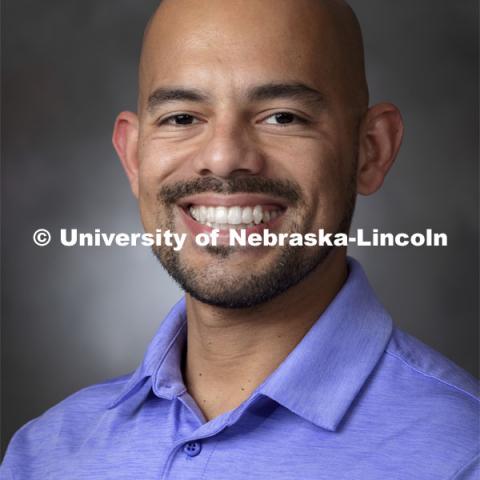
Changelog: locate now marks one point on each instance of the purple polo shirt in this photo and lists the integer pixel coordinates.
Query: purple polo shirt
(356, 399)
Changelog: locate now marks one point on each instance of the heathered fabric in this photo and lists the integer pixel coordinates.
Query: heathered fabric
(356, 399)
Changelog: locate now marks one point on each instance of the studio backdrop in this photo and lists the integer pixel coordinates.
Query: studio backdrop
(75, 316)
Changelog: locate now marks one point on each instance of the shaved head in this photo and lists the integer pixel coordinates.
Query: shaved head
(326, 29)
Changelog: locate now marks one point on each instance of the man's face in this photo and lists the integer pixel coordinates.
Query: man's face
(245, 117)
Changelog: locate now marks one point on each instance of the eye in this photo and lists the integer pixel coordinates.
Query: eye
(283, 118)
(179, 119)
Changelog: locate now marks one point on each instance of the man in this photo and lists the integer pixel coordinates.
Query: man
(280, 362)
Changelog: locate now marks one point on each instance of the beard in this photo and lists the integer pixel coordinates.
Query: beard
(217, 286)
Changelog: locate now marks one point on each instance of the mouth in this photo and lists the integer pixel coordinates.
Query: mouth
(247, 212)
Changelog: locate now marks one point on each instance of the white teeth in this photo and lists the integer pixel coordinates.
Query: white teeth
(247, 215)
(257, 214)
(224, 217)
(234, 215)
(221, 215)
(211, 214)
(195, 213)
(203, 214)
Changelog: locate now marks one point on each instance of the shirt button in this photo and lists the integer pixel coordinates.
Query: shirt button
(192, 449)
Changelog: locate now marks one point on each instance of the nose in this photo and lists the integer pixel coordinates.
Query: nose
(229, 150)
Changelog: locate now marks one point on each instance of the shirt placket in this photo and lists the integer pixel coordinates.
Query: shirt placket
(189, 456)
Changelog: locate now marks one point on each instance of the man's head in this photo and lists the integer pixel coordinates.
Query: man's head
(252, 103)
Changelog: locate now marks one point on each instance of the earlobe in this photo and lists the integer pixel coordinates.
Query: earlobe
(381, 135)
(125, 142)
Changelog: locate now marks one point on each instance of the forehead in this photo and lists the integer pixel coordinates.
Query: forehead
(240, 43)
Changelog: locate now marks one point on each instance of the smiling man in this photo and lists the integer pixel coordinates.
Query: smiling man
(279, 362)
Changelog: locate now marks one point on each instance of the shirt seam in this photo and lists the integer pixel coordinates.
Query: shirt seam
(122, 382)
(469, 462)
(208, 459)
(108, 382)
(433, 376)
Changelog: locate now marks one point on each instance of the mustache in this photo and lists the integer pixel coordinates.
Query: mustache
(287, 189)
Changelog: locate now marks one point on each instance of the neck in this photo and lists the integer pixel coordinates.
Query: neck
(230, 352)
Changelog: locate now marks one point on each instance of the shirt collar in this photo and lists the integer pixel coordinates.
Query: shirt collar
(321, 377)
(318, 380)
(162, 360)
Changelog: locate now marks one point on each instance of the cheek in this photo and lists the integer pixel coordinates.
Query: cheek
(155, 165)
(152, 171)
(161, 162)
(164, 160)
(333, 193)
(158, 165)
(324, 169)
(318, 165)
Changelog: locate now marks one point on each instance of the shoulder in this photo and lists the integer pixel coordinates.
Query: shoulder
(429, 371)
(68, 423)
(427, 406)
(436, 398)
(79, 406)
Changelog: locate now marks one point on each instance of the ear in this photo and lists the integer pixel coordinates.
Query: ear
(125, 141)
(381, 134)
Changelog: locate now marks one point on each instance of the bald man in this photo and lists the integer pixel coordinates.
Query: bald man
(279, 362)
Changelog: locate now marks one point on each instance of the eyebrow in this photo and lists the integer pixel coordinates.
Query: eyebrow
(300, 91)
(269, 91)
(165, 95)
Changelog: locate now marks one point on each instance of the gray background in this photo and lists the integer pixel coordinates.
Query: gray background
(72, 317)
